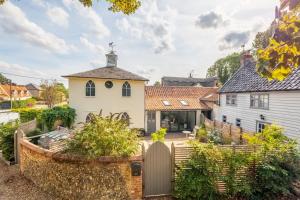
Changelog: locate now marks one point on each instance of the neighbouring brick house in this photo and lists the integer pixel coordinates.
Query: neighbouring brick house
(250, 101)
(177, 108)
(16, 92)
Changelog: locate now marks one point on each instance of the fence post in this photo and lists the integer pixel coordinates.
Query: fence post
(18, 136)
(234, 147)
(173, 166)
(143, 168)
(241, 136)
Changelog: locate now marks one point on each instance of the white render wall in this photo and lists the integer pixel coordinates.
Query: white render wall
(8, 116)
(284, 110)
(109, 100)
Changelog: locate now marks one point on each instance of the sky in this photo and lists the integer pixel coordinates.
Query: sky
(48, 39)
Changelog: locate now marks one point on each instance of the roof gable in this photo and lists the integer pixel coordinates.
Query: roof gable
(108, 73)
(246, 79)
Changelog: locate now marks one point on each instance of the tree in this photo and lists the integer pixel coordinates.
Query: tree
(63, 90)
(3, 79)
(157, 83)
(282, 54)
(261, 40)
(52, 93)
(125, 6)
(225, 67)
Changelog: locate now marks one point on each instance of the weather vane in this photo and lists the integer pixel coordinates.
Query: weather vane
(111, 45)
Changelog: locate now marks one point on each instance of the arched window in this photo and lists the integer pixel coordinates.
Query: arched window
(126, 90)
(125, 117)
(90, 89)
(88, 118)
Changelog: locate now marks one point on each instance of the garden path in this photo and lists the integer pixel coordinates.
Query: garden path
(14, 186)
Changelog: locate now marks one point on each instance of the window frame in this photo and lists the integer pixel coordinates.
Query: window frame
(231, 99)
(126, 89)
(260, 101)
(90, 89)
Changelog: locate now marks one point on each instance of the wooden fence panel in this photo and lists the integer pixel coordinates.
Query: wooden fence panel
(183, 153)
(228, 131)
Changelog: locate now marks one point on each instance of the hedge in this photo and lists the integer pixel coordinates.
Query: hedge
(29, 114)
(20, 103)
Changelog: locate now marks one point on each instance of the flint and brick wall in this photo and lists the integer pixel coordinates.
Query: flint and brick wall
(75, 177)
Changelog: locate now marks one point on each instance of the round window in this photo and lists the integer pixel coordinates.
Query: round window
(109, 84)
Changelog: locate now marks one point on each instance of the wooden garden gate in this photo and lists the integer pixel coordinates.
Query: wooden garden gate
(157, 172)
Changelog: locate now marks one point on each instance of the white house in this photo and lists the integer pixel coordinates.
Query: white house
(110, 89)
(250, 101)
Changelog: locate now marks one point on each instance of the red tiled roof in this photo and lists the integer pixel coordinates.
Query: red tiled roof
(196, 97)
(5, 90)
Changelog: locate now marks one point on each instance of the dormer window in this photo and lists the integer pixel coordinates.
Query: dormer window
(166, 103)
(90, 89)
(126, 90)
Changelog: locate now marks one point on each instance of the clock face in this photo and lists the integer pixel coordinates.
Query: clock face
(109, 84)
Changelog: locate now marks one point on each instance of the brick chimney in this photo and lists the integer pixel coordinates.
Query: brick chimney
(246, 57)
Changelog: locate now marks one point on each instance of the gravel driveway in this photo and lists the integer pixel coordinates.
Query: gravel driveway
(13, 186)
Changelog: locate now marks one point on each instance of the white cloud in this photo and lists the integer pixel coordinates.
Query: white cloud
(152, 24)
(146, 72)
(97, 63)
(91, 46)
(211, 19)
(234, 39)
(93, 21)
(14, 21)
(58, 16)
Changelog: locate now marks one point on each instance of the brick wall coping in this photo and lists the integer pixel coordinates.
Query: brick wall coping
(72, 158)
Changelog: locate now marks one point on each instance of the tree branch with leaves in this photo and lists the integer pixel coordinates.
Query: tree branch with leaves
(282, 54)
(125, 6)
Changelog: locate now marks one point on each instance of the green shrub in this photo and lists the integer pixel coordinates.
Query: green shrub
(159, 135)
(64, 113)
(202, 134)
(104, 136)
(198, 178)
(29, 114)
(23, 103)
(214, 136)
(7, 140)
(278, 167)
(236, 186)
(269, 171)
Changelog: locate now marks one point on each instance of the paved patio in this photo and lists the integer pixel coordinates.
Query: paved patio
(179, 139)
